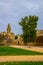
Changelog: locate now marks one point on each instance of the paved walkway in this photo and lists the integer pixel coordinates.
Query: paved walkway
(21, 58)
(32, 48)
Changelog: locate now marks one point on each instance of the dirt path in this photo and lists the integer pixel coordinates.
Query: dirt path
(21, 58)
(32, 48)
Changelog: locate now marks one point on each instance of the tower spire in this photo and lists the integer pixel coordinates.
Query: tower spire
(8, 28)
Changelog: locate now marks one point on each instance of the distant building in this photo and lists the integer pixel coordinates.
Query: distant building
(39, 32)
(39, 39)
(9, 37)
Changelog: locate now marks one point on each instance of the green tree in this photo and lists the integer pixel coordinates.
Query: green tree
(16, 37)
(29, 25)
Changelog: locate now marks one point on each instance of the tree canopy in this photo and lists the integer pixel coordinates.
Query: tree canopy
(16, 37)
(29, 25)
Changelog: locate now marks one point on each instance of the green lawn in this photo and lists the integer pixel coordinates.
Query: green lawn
(21, 63)
(16, 51)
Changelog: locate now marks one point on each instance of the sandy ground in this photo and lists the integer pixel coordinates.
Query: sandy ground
(32, 48)
(21, 58)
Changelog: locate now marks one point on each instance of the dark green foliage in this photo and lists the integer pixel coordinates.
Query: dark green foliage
(21, 63)
(29, 25)
(16, 37)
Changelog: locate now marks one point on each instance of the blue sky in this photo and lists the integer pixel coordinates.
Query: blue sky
(11, 11)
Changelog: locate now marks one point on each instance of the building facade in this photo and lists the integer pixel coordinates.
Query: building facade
(9, 37)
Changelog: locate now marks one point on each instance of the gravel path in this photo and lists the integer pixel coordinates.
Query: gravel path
(21, 58)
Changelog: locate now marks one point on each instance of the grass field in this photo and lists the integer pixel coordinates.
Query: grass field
(16, 51)
(21, 63)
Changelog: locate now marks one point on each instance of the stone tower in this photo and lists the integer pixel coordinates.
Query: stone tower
(8, 28)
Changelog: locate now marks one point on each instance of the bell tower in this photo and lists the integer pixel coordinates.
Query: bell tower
(8, 28)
